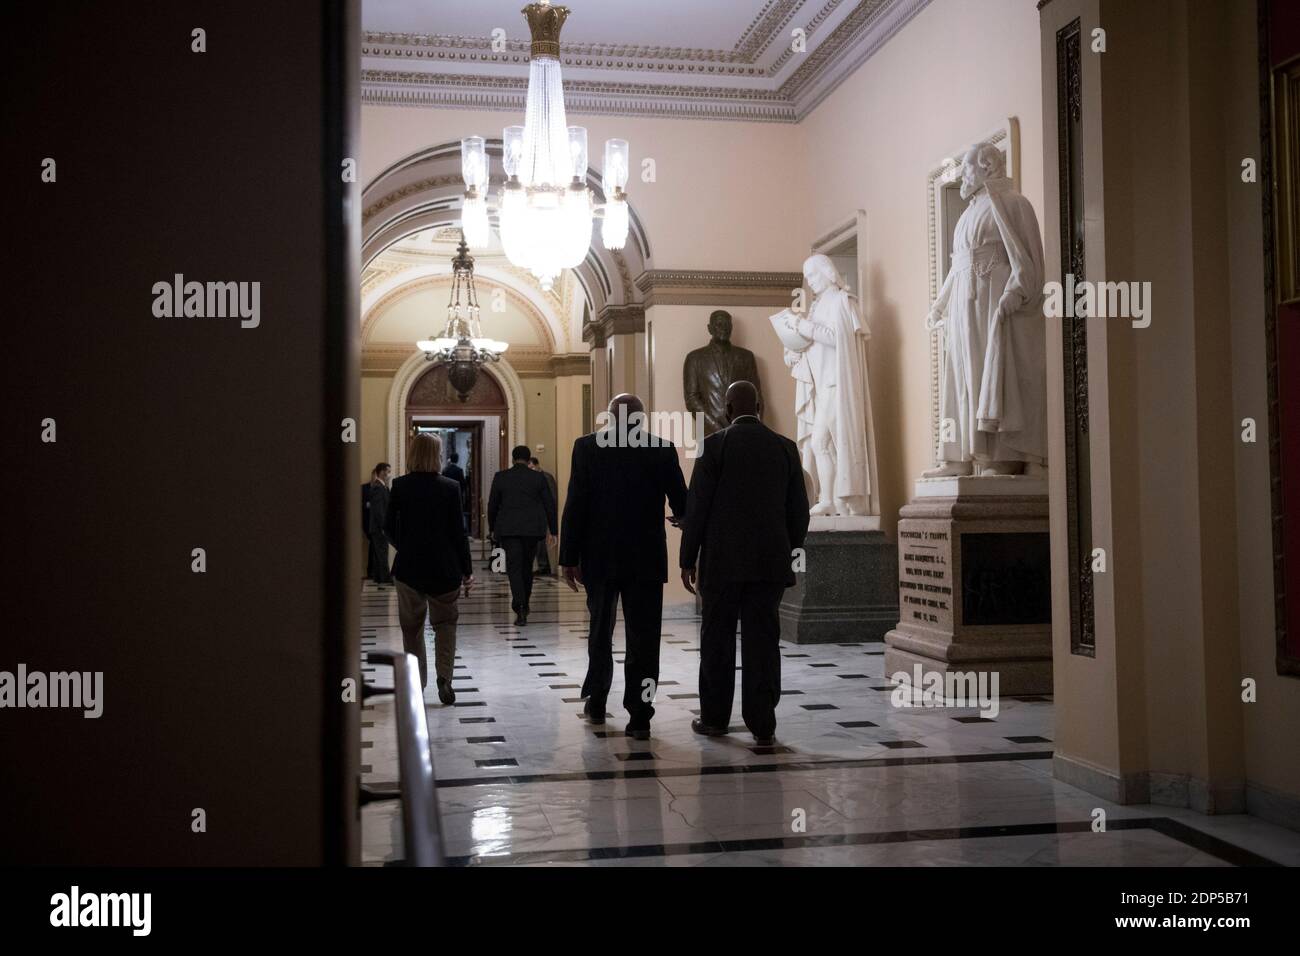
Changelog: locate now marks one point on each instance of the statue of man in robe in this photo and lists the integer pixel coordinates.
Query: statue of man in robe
(710, 369)
(993, 386)
(832, 402)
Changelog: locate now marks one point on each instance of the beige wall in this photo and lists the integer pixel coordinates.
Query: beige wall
(373, 424)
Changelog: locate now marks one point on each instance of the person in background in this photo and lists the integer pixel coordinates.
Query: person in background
(614, 543)
(365, 523)
(424, 523)
(543, 551)
(521, 512)
(453, 471)
(747, 511)
(378, 503)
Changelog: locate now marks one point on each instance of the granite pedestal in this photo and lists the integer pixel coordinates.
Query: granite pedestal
(848, 590)
(975, 582)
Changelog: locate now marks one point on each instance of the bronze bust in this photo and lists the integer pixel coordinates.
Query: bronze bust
(710, 369)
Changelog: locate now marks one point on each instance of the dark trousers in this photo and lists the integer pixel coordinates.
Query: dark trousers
(543, 557)
(755, 605)
(379, 558)
(520, 554)
(643, 605)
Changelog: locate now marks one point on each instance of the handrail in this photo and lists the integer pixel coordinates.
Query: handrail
(421, 825)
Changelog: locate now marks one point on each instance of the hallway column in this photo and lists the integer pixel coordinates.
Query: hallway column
(624, 333)
(572, 373)
(1151, 583)
(600, 391)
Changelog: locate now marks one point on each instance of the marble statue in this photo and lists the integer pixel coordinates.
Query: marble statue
(711, 368)
(825, 352)
(993, 387)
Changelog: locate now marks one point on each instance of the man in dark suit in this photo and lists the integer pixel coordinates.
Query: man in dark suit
(521, 512)
(747, 511)
(543, 551)
(613, 542)
(378, 507)
(456, 473)
(365, 523)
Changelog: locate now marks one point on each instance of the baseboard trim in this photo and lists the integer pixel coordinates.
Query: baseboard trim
(1273, 806)
(1158, 788)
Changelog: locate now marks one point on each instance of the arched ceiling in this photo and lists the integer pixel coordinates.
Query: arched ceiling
(425, 191)
(418, 309)
(405, 290)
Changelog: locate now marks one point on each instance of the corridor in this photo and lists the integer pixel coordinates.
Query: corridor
(524, 779)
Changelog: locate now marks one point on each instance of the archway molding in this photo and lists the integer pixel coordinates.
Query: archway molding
(407, 375)
(425, 190)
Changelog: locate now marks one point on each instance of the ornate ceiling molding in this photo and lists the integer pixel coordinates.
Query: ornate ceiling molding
(762, 79)
(681, 287)
(578, 363)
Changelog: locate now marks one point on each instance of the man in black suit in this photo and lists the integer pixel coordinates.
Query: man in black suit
(544, 552)
(748, 510)
(456, 473)
(365, 523)
(521, 512)
(378, 508)
(613, 542)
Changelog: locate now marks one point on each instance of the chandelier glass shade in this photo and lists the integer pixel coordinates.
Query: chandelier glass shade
(462, 345)
(545, 208)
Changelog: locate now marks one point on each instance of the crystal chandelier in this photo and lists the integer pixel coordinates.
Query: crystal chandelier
(462, 345)
(545, 207)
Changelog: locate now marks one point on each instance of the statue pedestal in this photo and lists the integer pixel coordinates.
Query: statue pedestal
(975, 582)
(847, 592)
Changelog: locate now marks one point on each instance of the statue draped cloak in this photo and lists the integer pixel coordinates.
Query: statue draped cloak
(836, 312)
(993, 377)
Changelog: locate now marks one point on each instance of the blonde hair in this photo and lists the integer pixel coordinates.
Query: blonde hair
(426, 453)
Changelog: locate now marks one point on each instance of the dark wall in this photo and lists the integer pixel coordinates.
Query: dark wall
(221, 689)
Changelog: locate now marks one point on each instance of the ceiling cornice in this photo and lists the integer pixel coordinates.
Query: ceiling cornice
(682, 287)
(747, 83)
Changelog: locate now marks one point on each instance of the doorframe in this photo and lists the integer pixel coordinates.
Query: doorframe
(409, 373)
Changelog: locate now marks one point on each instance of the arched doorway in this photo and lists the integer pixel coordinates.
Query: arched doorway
(482, 421)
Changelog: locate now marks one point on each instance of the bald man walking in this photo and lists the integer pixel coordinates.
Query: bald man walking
(747, 511)
(613, 541)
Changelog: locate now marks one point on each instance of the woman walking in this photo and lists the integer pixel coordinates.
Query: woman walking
(424, 524)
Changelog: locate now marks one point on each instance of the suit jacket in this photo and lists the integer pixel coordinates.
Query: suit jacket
(747, 509)
(365, 509)
(457, 474)
(521, 504)
(614, 514)
(424, 523)
(378, 506)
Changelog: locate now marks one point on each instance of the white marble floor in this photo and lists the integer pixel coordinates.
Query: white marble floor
(853, 780)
